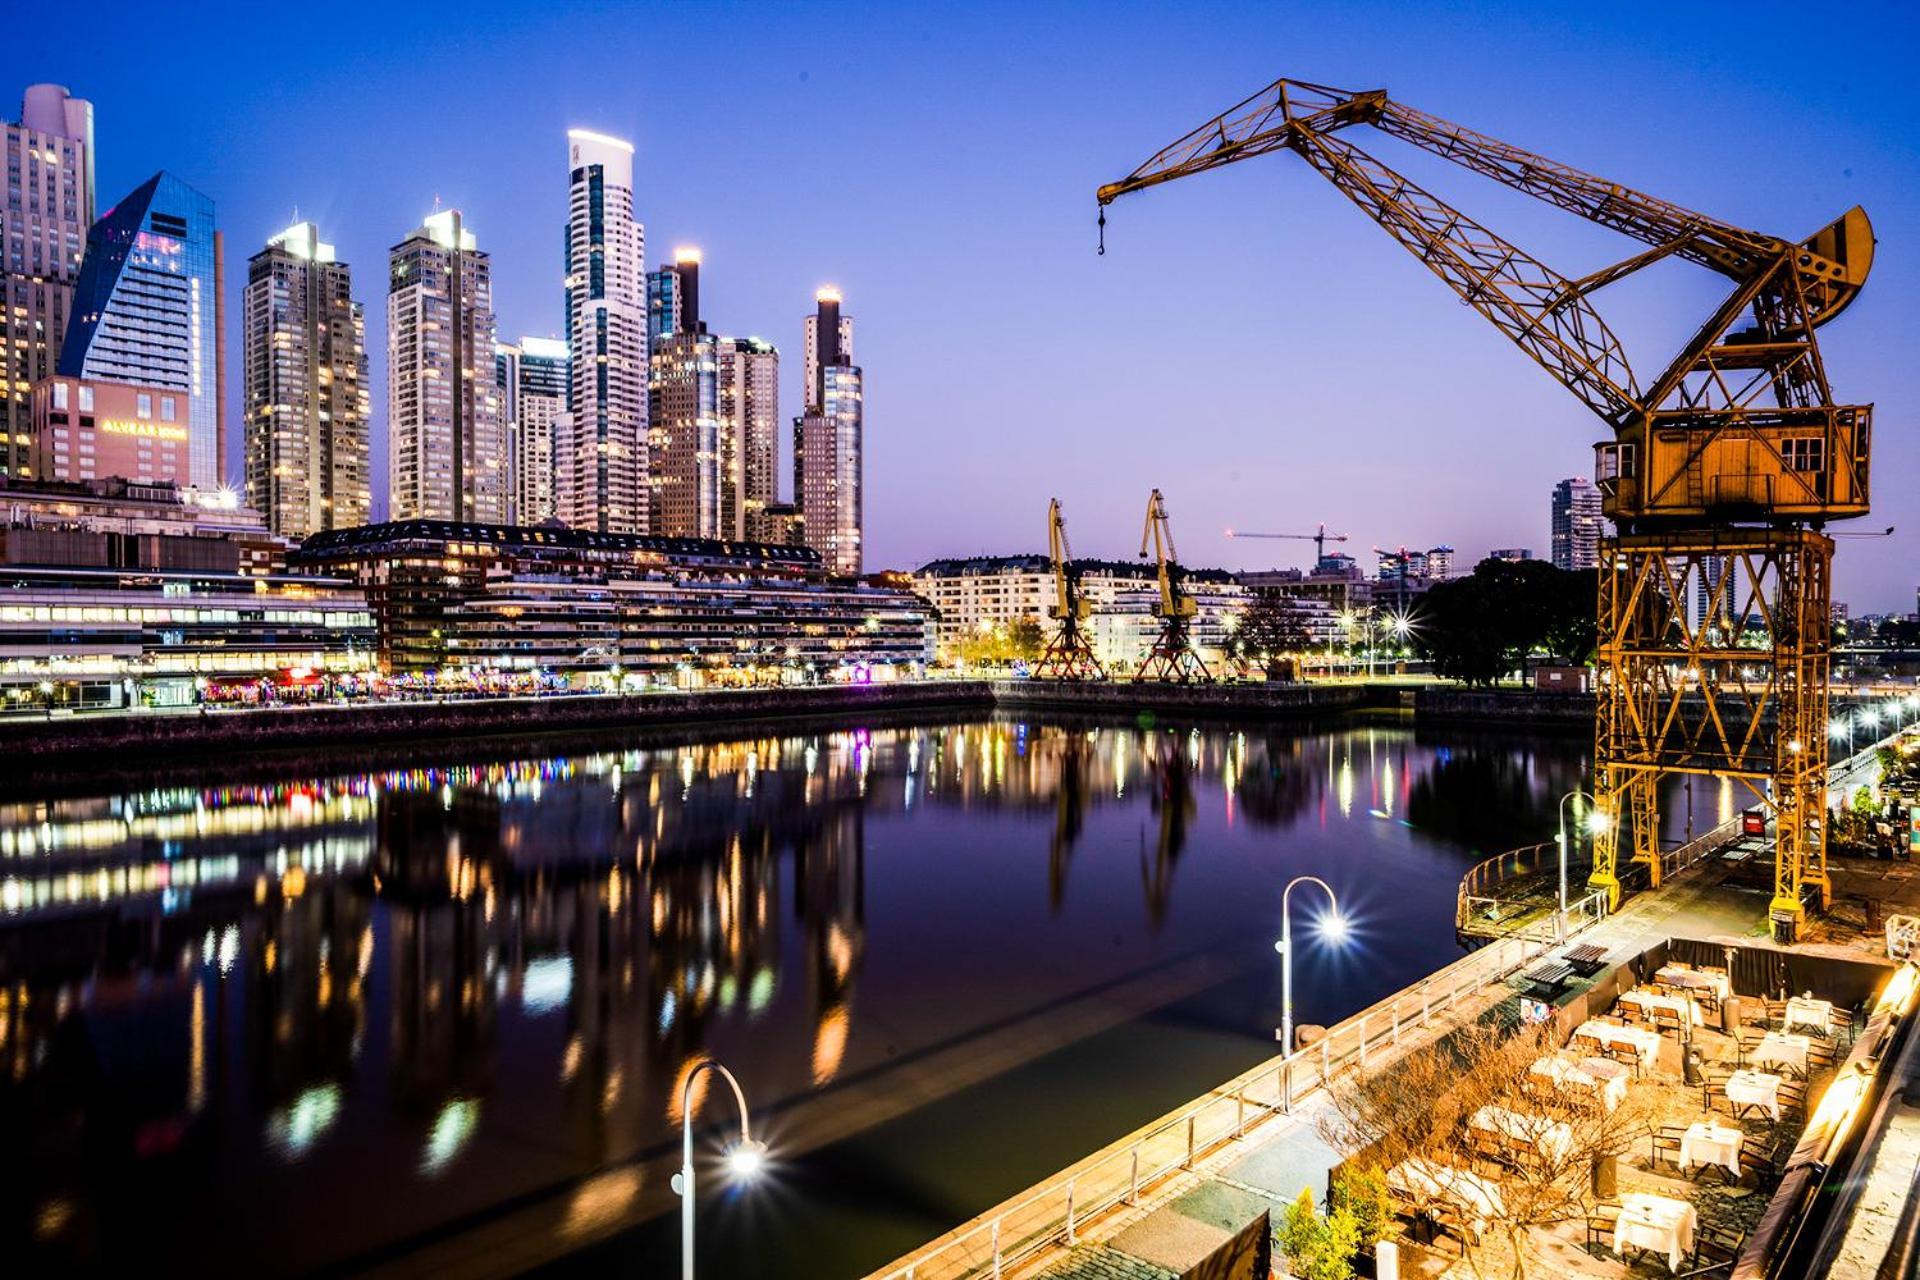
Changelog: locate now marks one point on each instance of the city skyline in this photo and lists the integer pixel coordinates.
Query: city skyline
(911, 251)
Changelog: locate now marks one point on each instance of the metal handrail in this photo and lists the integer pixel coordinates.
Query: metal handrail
(1054, 1211)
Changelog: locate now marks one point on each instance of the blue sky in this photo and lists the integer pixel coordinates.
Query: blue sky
(1251, 344)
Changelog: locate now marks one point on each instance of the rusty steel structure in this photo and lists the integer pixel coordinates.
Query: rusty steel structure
(1068, 655)
(1172, 657)
(1720, 473)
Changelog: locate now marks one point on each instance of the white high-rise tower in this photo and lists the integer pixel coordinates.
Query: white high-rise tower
(601, 464)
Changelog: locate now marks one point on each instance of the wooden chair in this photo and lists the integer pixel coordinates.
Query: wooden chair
(1668, 1020)
(1716, 1246)
(1793, 1097)
(1483, 1144)
(1756, 1162)
(1820, 1055)
(1626, 1054)
(1666, 1145)
(1776, 1011)
(1451, 1220)
(1601, 1224)
(1715, 1089)
(1631, 1014)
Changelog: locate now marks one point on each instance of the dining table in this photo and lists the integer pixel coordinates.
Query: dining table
(1426, 1181)
(1550, 1138)
(1707, 1142)
(1658, 1224)
(1782, 1049)
(1644, 1040)
(1749, 1088)
(1805, 1011)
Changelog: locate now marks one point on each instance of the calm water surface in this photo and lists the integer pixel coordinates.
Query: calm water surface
(284, 1027)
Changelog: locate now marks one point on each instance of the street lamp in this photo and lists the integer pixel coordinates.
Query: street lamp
(746, 1159)
(1333, 927)
(1596, 823)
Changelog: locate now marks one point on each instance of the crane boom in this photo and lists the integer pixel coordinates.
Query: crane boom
(1721, 473)
(1068, 655)
(1172, 656)
(1319, 539)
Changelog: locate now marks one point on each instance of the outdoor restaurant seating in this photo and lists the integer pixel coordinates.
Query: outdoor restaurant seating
(1636, 1046)
(1786, 1051)
(1602, 1223)
(1459, 1200)
(1581, 1081)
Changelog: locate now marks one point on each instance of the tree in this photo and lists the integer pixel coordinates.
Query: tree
(1318, 1248)
(1272, 626)
(1477, 628)
(1021, 639)
(1422, 1104)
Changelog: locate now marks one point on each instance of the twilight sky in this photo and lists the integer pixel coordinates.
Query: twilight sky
(1251, 344)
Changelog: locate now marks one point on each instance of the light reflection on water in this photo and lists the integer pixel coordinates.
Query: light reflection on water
(351, 1008)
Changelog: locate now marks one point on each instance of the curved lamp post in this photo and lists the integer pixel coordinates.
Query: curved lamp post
(1333, 926)
(746, 1159)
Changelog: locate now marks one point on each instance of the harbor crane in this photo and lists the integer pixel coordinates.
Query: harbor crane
(1319, 539)
(1068, 656)
(1172, 656)
(1720, 473)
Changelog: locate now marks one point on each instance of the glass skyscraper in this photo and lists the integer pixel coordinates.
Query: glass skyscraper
(146, 308)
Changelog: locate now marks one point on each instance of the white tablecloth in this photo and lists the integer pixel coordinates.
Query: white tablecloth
(1683, 1007)
(1596, 1077)
(1428, 1181)
(1751, 1088)
(1645, 1042)
(1657, 1223)
(1553, 1138)
(1698, 979)
(1782, 1049)
(1708, 1143)
(1803, 1011)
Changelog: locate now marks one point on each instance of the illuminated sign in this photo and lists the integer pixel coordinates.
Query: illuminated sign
(150, 430)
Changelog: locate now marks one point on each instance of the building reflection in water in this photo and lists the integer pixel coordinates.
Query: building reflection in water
(206, 992)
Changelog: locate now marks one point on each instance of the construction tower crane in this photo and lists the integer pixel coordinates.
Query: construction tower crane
(1720, 472)
(1319, 539)
(1172, 656)
(1068, 655)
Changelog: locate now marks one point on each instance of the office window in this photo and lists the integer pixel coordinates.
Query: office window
(86, 398)
(167, 408)
(143, 406)
(59, 395)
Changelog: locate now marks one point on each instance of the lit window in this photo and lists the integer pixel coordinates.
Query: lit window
(86, 398)
(59, 395)
(166, 408)
(143, 405)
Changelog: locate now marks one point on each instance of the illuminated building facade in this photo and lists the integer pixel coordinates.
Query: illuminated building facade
(641, 608)
(45, 211)
(749, 438)
(602, 454)
(308, 459)
(988, 593)
(683, 405)
(1577, 524)
(88, 430)
(827, 440)
(116, 594)
(146, 310)
(447, 441)
(532, 377)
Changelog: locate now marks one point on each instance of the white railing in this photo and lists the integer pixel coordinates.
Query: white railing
(1054, 1212)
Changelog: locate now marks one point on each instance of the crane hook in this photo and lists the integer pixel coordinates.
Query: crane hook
(1103, 231)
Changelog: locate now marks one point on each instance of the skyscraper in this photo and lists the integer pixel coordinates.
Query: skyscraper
(683, 404)
(602, 467)
(827, 440)
(1576, 524)
(44, 215)
(447, 442)
(533, 377)
(308, 463)
(146, 310)
(749, 437)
